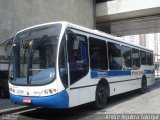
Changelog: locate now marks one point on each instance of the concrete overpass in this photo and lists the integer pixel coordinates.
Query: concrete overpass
(128, 17)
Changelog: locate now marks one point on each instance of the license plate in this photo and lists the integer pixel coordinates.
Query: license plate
(27, 100)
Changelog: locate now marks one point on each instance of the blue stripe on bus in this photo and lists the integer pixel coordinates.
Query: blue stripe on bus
(149, 71)
(111, 73)
(119, 72)
(60, 100)
(98, 74)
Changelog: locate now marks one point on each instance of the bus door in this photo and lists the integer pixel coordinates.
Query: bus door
(77, 46)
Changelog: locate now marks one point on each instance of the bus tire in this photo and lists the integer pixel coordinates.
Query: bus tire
(143, 85)
(101, 97)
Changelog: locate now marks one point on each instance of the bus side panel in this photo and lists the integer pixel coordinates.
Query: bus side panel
(83, 91)
(81, 96)
(73, 97)
(123, 86)
(150, 79)
(149, 73)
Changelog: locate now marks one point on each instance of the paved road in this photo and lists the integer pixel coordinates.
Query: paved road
(6, 104)
(128, 103)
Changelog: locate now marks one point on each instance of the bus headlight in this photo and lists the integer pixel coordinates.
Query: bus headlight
(48, 92)
(12, 90)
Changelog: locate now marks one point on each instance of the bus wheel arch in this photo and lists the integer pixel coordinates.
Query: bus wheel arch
(143, 84)
(101, 94)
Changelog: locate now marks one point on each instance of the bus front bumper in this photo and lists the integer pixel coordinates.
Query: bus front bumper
(59, 100)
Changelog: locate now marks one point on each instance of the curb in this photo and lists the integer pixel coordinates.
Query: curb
(14, 109)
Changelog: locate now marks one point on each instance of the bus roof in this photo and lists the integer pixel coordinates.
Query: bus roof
(95, 32)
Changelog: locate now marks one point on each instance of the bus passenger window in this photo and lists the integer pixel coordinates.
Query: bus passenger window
(126, 57)
(98, 54)
(114, 55)
(149, 58)
(143, 58)
(77, 57)
(135, 58)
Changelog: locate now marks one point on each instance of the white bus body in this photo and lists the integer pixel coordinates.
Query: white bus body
(89, 66)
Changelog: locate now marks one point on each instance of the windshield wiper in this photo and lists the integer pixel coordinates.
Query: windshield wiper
(29, 60)
(30, 56)
(23, 53)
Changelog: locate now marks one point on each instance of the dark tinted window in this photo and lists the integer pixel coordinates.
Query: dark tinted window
(114, 55)
(39, 32)
(126, 57)
(143, 58)
(98, 54)
(135, 58)
(149, 58)
(78, 57)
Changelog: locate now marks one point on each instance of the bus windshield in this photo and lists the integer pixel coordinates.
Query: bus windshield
(34, 55)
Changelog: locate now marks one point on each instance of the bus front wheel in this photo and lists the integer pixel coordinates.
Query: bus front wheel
(101, 97)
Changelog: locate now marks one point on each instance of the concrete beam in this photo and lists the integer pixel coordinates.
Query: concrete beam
(124, 9)
(143, 25)
(128, 17)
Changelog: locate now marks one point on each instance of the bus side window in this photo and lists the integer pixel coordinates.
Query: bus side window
(149, 58)
(135, 58)
(114, 55)
(126, 57)
(98, 54)
(78, 57)
(143, 57)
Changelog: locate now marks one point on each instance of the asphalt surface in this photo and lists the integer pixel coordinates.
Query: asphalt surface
(127, 103)
(6, 104)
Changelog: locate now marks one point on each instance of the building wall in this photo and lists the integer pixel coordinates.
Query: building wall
(19, 14)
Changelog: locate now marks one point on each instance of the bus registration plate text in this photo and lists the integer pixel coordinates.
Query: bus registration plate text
(27, 100)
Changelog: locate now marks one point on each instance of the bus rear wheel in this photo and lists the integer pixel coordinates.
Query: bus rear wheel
(101, 97)
(143, 86)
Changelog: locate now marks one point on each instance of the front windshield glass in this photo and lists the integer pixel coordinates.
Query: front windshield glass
(34, 55)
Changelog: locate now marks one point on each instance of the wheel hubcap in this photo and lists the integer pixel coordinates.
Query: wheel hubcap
(101, 97)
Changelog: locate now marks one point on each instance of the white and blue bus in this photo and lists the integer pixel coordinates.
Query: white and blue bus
(62, 65)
